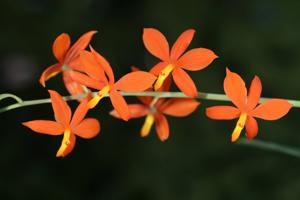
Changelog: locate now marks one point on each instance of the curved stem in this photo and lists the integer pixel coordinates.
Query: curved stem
(157, 95)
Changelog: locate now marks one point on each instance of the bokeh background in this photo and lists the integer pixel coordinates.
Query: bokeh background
(258, 37)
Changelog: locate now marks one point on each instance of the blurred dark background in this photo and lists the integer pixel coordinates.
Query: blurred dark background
(258, 37)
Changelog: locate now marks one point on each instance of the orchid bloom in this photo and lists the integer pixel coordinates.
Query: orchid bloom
(155, 114)
(175, 61)
(100, 76)
(247, 106)
(84, 128)
(68, 59)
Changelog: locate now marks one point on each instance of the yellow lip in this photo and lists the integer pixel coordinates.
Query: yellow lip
(64, 144)
(239, 127)
(162, 76)
(147, 125)
(95, 100)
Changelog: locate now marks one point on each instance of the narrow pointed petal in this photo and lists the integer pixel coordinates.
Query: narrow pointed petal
(67, 146)
(156, 43)
(73, 87)
(222, 112)
(79, 45)
(272, 109)
(88, 128)
(62, 111)
(179, 107)
(80, 112)
(87, 81)
(119, 104)
(61, 46)
(251, 128)
(91, 66)
(182, 43)
(254, 93)
(156, 69)
(45, 127)
(196, 59)
(184, 82)
(136, 111)
(162, 127)
(49, 73)
(135, 82)
(235, 89)
(105, 65)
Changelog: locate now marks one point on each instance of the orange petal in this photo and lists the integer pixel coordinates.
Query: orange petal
(45, 127)
(254, 93)
(73, 87)
(66, 147)
(49, 73)
(62, 111)
(80, 112)
(156, 43)
(78, 46)
(136, 111)
(61, 46)
(184, 82)
(135, 81)
(179, 107)
(105, 65)
(119, 104)
(235, 89)
(86, 80)
(162, 127)
(196, 59)
(88, 128)
(272, 109)
(92, 67)
(222, 112)
(251, 128)
(156, 69)
(182, 43)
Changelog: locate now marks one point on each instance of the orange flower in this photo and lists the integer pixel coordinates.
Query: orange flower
(100, 76)
(85, 128)
(68, 59)
(247, 108)
(174, 62)
(155, 113)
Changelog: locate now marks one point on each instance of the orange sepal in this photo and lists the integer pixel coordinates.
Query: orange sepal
(60, 46)
(156, 43)
(73, 87)
(184, 82)
(222, 112)
(162, 127)
(182, 43)
(45, 127)
(119, 104)
(179, 107)
(272, 109)
(254, 93)
(251, 128)
(49, 73)
(62, 111)
(196, 59)
(136, 111)
(235, 89)
(87, 81)
(79, 45)
(88, 128)
(80, 112)
(135, 82)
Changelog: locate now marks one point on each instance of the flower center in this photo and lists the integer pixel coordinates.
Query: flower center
(65, 143)
(239, 127)
(95, 100)
(147, 125)
(163, 75)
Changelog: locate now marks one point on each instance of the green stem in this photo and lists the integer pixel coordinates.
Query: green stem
(270, 146)
(157, 95)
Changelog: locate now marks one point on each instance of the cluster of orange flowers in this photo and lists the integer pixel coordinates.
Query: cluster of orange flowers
(83, 69)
